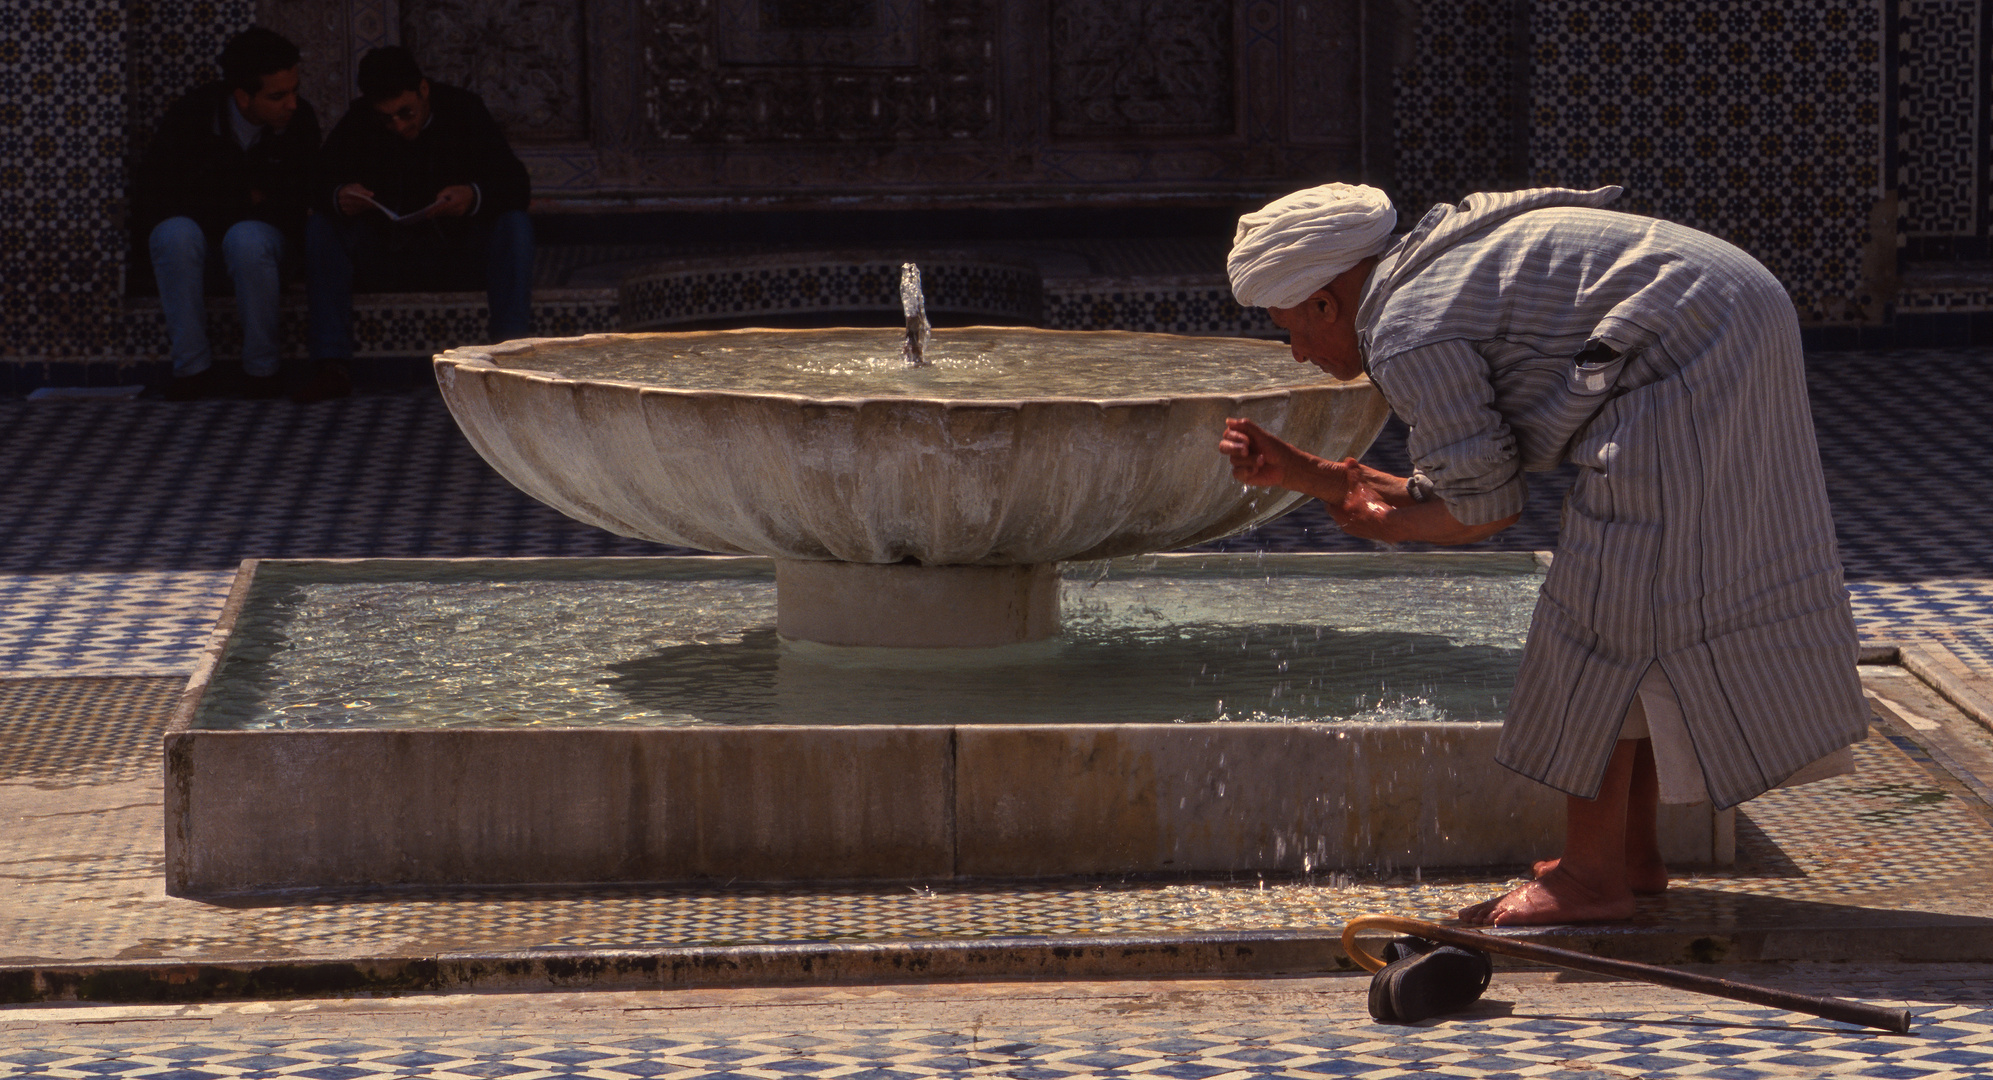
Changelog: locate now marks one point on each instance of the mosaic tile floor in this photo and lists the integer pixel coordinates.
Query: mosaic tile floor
(1573, 1033)
(1526, 1026)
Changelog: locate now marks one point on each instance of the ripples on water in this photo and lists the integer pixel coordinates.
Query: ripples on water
(979, 363)
(678, 642)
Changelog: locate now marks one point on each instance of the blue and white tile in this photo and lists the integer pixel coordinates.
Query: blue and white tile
(94, 624)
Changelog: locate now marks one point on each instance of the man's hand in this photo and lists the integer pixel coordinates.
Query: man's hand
(454, 201)
(352, 199)
(1363, 510)
(1258, 458)
(1265, 460)
(1365, 513)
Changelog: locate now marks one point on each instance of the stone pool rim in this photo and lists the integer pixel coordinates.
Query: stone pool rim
(255, 811)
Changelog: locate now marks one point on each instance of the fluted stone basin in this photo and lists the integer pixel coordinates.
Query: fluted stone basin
(904, 506)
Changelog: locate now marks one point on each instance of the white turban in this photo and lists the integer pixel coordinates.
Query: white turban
(1299, 243)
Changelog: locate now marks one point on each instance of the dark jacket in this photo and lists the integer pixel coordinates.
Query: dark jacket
(461, 144)
(195, 168)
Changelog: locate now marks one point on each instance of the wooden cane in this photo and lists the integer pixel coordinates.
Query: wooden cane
(1830, 1008)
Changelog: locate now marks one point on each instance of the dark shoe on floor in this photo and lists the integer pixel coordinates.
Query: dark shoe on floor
(329, 379)
(208, 383)
(262, 387)
(1422, 979)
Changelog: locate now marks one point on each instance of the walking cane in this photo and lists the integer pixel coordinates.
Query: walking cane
(1830, 1008)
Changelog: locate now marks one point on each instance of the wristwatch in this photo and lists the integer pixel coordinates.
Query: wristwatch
(1419, 486)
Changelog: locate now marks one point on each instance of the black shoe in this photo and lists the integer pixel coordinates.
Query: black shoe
(207, 383)
(329, 380)
(1422, 979)
(262, 387)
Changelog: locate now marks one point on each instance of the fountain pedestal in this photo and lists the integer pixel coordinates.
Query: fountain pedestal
(904, 606)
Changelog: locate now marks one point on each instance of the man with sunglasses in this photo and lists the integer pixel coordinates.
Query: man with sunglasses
(418, 190)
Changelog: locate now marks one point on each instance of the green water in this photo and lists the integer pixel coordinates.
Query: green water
(648, 642)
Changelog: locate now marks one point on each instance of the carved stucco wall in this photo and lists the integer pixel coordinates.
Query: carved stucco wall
(725, 102)
(527, 60)
(1129, 67)
(984, 99)
(331, 36)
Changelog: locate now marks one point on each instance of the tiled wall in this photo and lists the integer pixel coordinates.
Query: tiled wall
(1454, 109)
(62, 139)
(1758, 121)
(82, 83)
(1942, 129)
(172, 46)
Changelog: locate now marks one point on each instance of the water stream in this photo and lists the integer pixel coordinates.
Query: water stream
(914, 301)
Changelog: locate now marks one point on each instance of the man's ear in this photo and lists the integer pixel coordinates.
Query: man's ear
(243, 98)
(1325, 303)
(422, 89)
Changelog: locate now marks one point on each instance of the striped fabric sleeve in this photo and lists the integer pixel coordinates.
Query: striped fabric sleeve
(1441, 391)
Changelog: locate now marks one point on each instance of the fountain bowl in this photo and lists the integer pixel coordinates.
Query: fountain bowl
(891, 477)
(903, 509)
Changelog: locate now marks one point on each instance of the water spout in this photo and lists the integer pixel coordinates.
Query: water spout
(915, 302)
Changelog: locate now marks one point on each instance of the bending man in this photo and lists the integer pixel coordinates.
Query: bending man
(1693, 639)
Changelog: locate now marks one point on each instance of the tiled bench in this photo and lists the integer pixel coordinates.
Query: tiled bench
(399, 325)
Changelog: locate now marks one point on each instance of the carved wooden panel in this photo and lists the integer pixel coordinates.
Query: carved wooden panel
(1141, 67)
(902, 102)
(526, 58)
(1325, 66)
(325, 68)
(853, 33)
(915, 78)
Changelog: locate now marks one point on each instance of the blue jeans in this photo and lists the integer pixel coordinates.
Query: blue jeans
(498, 251)
(253, 253)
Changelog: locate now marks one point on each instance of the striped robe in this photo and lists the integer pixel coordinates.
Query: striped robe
(1698, 534)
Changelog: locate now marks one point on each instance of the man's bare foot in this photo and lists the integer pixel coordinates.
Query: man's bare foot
(1556, 897)
(1648, 880)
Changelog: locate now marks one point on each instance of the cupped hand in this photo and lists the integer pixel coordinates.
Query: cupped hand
(1362, 511)
(1258, 457)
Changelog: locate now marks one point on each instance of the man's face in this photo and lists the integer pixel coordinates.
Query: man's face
(274, 103)
(406, 114)
(1321, 332)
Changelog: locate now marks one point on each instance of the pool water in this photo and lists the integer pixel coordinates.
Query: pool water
(687, 641)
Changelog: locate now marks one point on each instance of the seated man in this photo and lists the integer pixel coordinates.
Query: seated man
(418, 190)
(229, 173)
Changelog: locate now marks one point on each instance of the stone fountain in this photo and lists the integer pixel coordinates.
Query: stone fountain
(915, 710)
(922, 507)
